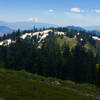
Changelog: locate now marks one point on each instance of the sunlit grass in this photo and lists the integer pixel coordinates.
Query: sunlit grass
(20, 85)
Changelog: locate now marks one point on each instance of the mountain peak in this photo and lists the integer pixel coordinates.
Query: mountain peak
(76, 28)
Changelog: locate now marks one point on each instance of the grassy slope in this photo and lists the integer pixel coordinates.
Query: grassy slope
(98, 45)
(20, 85)
(72, 42)
(88, 46)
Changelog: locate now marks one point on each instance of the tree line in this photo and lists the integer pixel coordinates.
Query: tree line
(51, 60)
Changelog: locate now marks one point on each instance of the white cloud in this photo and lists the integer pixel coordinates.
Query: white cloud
(78, 10)
(51, 10)
(33, 19)
(97, 11)
(86, 19)
(75, 10)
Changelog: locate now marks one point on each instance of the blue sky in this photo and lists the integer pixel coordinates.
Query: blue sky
(60, 12)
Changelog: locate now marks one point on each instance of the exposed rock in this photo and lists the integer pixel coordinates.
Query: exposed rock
(56, 83)
(1, 98)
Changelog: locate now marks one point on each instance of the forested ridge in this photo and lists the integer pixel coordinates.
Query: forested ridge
(52, 60)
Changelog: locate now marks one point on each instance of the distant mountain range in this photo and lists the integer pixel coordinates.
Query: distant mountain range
(87, 28)
(76, 28)
(5, 30)
(8, 27)
(97, 28)
(25, 25)
(93, 29)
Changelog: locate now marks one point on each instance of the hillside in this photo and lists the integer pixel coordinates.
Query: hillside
(30, 58)
(69, 36)
(55, 52)
(71, 42)
(20, 85)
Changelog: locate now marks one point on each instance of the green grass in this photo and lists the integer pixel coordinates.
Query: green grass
(98, 45)
(71, 42)
(20, 85)
(88, 46)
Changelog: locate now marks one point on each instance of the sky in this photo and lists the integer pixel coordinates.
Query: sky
(59, 12)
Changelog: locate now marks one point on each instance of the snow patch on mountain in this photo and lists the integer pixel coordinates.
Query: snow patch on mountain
(6, 42)
(96, 38)
(60, 33)
(43, 37)
(40, 36)
(1, 43)
(24, 36)
(43, 34)
(81, 39)
(78, 33)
